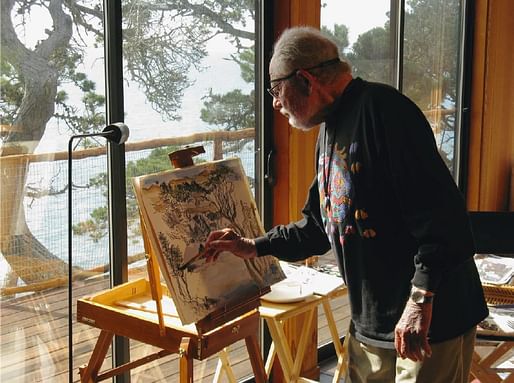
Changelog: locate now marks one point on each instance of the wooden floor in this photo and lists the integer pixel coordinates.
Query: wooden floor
(34, 340)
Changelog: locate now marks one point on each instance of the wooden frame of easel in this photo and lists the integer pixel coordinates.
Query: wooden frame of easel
(116, 312)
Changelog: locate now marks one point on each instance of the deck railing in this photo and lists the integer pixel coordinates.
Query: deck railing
(52, 167)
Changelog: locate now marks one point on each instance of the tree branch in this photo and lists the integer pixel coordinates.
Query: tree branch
(199, 10)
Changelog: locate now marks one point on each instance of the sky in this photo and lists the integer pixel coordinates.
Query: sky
(359, 16)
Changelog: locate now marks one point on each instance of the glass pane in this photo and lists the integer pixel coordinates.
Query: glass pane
(189, 80)
(431, 67)
(51, 87)
(362, 31)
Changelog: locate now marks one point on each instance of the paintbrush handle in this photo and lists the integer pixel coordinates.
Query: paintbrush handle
(200, 254)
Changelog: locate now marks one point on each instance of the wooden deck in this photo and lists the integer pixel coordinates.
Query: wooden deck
(34, 340)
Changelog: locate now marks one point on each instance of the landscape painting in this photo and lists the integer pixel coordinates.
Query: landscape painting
(180, 208)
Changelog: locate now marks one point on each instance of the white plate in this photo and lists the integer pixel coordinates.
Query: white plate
(288, 292)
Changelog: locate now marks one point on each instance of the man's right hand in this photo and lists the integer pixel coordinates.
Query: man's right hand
(229, 240)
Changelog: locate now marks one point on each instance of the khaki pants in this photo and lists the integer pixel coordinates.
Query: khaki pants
(450, 363)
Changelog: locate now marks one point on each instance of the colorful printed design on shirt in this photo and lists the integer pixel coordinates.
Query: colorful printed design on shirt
(335, 209)
(361, 215)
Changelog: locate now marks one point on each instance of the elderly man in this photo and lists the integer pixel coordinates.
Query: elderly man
(385, 203)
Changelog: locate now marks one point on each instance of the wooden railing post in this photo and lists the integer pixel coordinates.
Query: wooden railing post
(218, 149)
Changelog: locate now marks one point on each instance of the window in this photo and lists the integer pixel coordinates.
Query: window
(51, 88)
(417, 49)
(188, 78)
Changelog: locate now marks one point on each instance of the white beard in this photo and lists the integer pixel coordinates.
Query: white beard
(294, 122)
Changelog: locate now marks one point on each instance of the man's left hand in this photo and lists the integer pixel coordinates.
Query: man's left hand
(411, 332)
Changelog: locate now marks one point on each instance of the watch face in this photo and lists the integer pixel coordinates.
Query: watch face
(418, 297)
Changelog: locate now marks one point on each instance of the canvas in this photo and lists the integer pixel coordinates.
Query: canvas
(180, 208)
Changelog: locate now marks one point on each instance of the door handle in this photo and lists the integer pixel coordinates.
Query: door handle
(269, 176)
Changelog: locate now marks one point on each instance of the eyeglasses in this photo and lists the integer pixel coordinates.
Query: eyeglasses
(274, 90)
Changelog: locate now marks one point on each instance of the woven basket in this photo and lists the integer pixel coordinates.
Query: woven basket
(498, 295)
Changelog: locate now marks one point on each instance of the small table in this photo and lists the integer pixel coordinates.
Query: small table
(341, 349)
(502, 344)
(276, 314)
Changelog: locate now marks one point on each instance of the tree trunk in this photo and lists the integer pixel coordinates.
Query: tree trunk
(28, 258)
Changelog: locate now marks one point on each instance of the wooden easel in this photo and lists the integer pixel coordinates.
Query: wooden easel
(125, 311)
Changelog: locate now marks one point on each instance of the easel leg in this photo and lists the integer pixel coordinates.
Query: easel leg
(186, 361)
(255, 359)
(89, 373)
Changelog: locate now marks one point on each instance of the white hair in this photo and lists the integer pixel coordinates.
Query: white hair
(304, 47)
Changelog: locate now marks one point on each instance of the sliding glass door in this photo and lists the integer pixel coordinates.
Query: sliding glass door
(189, 79)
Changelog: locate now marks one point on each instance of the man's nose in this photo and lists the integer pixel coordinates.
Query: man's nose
(276, 103)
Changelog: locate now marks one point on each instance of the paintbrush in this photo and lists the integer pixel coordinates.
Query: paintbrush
(201, 254)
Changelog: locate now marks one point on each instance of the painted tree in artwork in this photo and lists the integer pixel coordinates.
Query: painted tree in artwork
(183, 210)
(224, 203)
(173, 201)
(191, 208)
(173, 257)
(220, 187)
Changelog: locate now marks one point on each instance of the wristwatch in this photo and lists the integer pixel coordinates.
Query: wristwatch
(420, 296)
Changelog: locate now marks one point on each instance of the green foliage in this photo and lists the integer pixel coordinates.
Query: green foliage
(431, 51)
(11, 92)
(339, 35)
(95, 227)
(163, 42)
(371, 55)
(233, 110)
(246, 61)
(156, 161)
(430, 61)
(92, 116)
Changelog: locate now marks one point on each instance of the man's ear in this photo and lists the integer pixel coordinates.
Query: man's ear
(301, 74)
(306, 79)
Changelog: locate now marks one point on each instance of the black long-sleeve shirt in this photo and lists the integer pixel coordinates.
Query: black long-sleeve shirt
(385, 202)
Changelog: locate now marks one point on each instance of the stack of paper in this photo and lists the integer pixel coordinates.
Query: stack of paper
(320, 283)
(494, 269)
(499, 322)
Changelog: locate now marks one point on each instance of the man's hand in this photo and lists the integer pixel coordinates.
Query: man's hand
(410, 335)
(229, 240)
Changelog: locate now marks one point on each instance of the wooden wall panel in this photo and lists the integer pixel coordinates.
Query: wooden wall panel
(295, 149)
(491, 158)
(294, 164)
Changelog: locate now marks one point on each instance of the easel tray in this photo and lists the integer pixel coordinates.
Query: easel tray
(129, 310)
